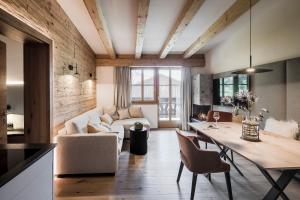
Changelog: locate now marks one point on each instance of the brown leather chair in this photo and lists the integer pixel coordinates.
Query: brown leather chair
(200, 161)
(224, 117)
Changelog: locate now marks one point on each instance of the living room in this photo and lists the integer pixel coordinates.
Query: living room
(148, 99)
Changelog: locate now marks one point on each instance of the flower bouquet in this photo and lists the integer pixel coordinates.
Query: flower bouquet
(245, 101)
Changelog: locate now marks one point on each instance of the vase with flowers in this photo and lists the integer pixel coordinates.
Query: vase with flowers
(244, 101)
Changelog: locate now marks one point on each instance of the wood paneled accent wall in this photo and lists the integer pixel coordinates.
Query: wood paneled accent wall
(72, 95)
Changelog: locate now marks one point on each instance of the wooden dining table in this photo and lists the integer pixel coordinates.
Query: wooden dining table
(272, 152)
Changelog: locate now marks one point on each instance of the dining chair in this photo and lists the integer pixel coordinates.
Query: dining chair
(224, 117)
(200, 161)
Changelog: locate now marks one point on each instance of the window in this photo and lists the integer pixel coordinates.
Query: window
(228, 86)
(143, 85)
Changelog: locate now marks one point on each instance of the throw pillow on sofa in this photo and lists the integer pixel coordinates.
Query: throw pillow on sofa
(112, 111)
(96, 128)
(107, 119)
(136, 112)
(123, 114)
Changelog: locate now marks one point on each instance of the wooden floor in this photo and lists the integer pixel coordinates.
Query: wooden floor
(154, 177)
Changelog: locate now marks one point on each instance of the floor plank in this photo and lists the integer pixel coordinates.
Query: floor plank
(154, 177)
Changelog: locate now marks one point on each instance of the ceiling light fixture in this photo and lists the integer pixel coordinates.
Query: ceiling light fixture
(251, 69)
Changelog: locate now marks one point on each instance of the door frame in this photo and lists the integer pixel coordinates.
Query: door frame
(16, 29)
(3, 113)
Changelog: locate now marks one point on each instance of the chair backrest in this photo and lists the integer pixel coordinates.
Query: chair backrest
(224, 116)
(188, 150)
(288, 129)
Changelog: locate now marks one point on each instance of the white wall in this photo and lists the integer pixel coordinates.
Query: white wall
(275, 31)
(105, 86)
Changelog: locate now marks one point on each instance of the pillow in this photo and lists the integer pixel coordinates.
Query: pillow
(123, 114)
(136, 112)
(289, 129)
(107, 119)
(106, 125)
(112, 111)
(96, 128)
(94, 116)
(77, 124)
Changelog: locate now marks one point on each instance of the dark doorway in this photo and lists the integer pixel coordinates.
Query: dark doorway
(37, 81)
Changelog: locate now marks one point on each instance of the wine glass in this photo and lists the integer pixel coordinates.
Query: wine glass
(216, 116)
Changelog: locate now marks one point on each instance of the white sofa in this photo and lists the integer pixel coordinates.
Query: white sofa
(80, 152)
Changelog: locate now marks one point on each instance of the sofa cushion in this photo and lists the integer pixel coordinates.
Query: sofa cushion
(94, 115)
(136, 112)
(123, 114)
(112, 111)
(107, 119)
(127, 123)
(96, 128)
(118, 129)
(77, 124)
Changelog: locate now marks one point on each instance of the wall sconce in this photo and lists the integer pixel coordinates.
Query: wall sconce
(69, 70)
(92, 77)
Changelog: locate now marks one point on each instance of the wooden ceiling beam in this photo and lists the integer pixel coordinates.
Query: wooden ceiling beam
(153, 61)
(230, 15)
(97, 17)
(141, 24)
(185, 17)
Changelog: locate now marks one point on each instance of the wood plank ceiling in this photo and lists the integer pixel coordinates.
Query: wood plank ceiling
(216, 22)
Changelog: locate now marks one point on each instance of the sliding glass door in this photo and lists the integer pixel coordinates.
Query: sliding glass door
(169, 81)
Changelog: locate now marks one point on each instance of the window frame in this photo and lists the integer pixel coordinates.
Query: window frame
(235, 84)
(143, 101)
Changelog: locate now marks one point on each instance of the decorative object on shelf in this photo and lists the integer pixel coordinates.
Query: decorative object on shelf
(202, 116)
(138, 126)
(244, 101)
(251, 69)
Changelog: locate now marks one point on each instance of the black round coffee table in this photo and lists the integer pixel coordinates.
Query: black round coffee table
(138, 141)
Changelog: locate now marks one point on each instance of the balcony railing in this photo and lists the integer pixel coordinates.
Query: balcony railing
(165, 108)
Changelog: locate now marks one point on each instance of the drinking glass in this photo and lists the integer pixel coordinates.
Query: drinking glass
(216, 116)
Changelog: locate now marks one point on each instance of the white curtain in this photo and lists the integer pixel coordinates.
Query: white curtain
(186, 97)
(122, 87)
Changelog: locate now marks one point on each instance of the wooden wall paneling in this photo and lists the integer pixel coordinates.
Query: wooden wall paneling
(71, 95)
(37, 93)
(3, 103)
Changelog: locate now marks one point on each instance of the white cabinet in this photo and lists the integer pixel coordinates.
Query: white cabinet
(202, 85)
(34, 183)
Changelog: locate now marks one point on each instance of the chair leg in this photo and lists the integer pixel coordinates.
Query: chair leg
(228, 183)
(180, 171)
(193, 185)
(231, 155)
(205, 145)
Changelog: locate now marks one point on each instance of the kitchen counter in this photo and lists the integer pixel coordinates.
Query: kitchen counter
(20, 161)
